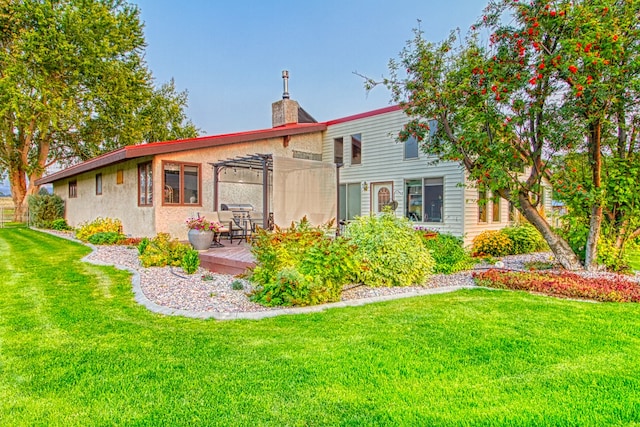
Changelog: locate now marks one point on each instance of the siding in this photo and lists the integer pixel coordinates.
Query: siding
(383, 160)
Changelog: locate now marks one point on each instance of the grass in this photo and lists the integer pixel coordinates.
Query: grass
(76, 350)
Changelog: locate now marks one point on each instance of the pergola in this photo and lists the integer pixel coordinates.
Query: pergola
(258, 162)
(300, 187)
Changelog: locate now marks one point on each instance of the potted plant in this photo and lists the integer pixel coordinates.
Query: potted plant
(202, 232)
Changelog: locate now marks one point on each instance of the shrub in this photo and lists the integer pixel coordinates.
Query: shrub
(389, 251)
(448, 253)
(301, 265)
(492, 242)
(237, 285)
(162, 251)
(190, 261)
(60, 224)
(44, 209)
(525, 238)
(564, 284)
(142, 246)
(107, 238)
(98, 225)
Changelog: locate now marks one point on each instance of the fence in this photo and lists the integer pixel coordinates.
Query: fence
(6, 216)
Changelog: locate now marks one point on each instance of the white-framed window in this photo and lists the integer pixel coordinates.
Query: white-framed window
(411, 148)
(350, 201)
(424, 199)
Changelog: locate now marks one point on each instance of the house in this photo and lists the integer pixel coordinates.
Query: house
(377, 171)
(154, 187)
(289, 170)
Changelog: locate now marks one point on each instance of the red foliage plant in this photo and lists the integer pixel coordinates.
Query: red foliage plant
(563, 284)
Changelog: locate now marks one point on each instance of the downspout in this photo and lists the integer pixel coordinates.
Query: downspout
(338, 166)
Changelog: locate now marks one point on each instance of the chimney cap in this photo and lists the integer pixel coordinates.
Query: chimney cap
(285, 83)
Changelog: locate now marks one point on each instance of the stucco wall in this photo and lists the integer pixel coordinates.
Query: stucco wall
(117, 200)
(171, 219)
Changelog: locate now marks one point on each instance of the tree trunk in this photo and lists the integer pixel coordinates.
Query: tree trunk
(560, 248)
(18, 184)
(595, 222)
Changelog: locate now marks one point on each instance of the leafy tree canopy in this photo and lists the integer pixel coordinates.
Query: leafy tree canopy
(530, 81)
(74, 84)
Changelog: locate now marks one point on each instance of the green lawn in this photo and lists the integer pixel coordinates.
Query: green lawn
(75, 349)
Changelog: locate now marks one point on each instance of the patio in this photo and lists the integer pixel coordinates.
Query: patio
(231, 258)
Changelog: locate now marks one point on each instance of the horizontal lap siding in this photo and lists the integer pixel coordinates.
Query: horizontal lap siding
(383, 161)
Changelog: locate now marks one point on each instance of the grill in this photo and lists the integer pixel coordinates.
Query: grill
(236, 207)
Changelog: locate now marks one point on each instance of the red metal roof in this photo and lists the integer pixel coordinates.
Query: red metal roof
(135, 151)
(141, 150)
(364, 115)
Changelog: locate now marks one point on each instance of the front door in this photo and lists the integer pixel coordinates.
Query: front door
(381, 196)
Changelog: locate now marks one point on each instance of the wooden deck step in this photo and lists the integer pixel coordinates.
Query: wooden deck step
(231, 259)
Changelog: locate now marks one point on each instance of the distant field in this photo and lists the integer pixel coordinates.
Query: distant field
(6, 202)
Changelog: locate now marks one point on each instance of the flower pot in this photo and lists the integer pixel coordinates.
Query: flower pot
(200, 239)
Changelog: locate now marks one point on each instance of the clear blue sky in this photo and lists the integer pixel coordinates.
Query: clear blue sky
(229, 55)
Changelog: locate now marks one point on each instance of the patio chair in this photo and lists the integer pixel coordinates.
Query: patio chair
(238, 227)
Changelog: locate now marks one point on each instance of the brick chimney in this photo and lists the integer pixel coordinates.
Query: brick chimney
(285, 111)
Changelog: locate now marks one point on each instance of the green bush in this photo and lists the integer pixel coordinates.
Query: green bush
(190, 261)
(389, 251)
(492, 242)
(142, 246)
(162, 251)
(60, 224)
(107, 238)
(448, 252)
(98, 225)
(44, 209)
(301, 265)
(525, 238)
(576, 231)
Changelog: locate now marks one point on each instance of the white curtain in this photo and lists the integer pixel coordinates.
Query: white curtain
(303, 188)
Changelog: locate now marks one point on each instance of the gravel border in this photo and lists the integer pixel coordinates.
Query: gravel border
(203, 295)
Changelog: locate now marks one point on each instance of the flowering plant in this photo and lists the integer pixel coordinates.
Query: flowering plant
(202, 224)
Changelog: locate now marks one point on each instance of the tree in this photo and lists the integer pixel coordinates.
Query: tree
(73, 84)
(504, 109)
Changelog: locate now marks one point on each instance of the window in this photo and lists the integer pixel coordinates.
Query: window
(181, 183)
(411, 148)
(145, 185)
(73, 189)
(433, 194)
(424, 199)
(413, 203)
(338, 150)
(98, 184)
(495, 207)
(120, 177)
(350, 201)
(482, 205)
(356, 149)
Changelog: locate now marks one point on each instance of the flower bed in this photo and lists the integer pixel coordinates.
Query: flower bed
(563, 284)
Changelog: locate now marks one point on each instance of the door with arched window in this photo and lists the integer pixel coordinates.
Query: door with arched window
(381, 196)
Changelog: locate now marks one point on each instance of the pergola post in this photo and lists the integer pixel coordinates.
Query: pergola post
(265, 193)
(216, 170)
